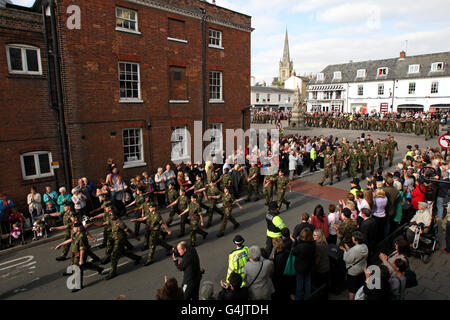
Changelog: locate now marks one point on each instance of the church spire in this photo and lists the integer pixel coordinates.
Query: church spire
(286, 56)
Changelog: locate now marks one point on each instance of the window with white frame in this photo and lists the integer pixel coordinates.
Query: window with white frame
(132, 146)
(437, 66)
(24, 59)
(435, 87)
(126, 20)
(257, 97)
(382, 71)
(315, 95)
(320, 76)
(36, 164)
(129, 81)
(268, 97)
(412, 88)
(279, 98)
(338, 95)
(380, 89)
(337, 75)
(414, 68)
(215, 38)
(361, 73)
(179, 143)
(215, 86)
(360, 90)
(217, 140)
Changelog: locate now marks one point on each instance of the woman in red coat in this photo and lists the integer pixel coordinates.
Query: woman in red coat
(418, 195)
(319, 220)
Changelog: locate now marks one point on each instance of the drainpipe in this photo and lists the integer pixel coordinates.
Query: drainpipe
(58, 80)
(204, 77)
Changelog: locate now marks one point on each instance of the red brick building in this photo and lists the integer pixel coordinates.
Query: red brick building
(132, 73)
(29, 138)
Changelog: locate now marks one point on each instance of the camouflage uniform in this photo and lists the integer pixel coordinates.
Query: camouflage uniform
(381, 154)
(154, 222)
(183, 203)
(392, 145)
(328, 168)
(253, 184)
(226, 181)
(282, 183)
(339, 158)
(138, 213)
(212, 203)
(172, 195)
(346, 230)
(119, 235)
(353, 164)
(195, 211)
(67, 222)
(364, 157)
(268, 191)
(79, 243)
(227, 200)
(372, 159)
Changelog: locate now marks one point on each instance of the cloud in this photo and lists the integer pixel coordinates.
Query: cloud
(353, 13)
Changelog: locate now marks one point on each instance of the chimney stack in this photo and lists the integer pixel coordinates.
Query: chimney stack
(402, 54)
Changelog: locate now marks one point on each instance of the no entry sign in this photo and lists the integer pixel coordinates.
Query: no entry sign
(444, 141)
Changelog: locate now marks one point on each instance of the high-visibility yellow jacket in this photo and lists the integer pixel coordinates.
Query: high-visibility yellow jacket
(274, 226)
(236, 261)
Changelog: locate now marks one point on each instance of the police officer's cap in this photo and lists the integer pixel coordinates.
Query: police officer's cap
(273, 205)
(408, 147)
(355, 181)
(238, 240)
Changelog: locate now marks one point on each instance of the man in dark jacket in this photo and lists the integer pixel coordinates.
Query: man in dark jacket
(304, 252)
(368, 228)
(189, 262)
(304, 224)
(392, 196)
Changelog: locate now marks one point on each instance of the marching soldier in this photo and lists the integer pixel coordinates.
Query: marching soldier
(182, 202)
(282, 184)
(213, 194)
(372, 159)
(172, 196)
(199, 190)
(119, 233)
(79, 247)
(228, 201)
(268, 188)
(392, 146)
(67, 226)
(328, 169)
(252, 181)
(196, 216)
(417, 126)
(339, 157)
(225, 179)
(154, 222)
(354, 163)
(364, 160)
(380, 152)
(138, 201)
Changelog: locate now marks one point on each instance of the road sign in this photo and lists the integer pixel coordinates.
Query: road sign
(55, 164)
(444, 141)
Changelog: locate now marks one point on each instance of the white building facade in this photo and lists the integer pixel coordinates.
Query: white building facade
(271, 98)
(416, 83)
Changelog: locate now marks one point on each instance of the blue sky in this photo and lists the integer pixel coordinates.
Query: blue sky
(323, 32)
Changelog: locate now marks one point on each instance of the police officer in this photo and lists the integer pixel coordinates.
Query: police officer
(196, 216)
(238, 258)
(274, 225)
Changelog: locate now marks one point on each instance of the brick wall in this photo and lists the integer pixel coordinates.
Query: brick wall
(28, 124)
(91, 86)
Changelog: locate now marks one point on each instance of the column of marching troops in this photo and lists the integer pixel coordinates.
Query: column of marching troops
(361, 156)
(428, 127)
(115, 232)
(269, 116)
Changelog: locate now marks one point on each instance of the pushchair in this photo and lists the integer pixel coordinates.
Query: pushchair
(40, 227)
(16, 227)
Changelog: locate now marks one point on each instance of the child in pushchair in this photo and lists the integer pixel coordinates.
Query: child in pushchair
(39, 227)
(16, 226)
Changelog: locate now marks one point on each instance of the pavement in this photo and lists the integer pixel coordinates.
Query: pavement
(30, 272)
